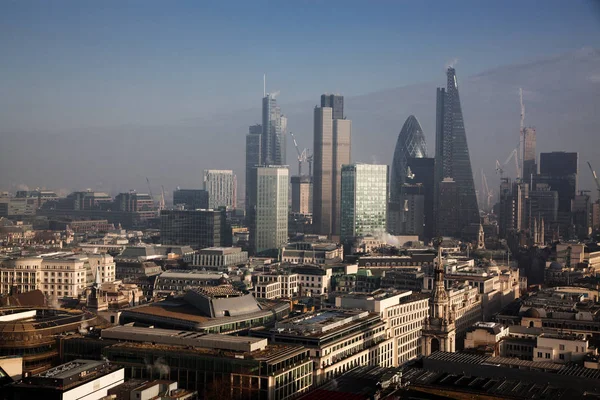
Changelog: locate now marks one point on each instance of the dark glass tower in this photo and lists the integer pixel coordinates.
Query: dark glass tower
(410, 144)
(336, 103)
(452, 159)
(274, 126)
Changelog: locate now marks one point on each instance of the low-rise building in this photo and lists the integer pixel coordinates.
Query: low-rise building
(338, 340)
(78, 379)
(485, 337)
(209, 309)
(561, 348)
(312, 253)
(177, 281)
(216, 366)
(220, 258)
(403, 313)
(277, 284)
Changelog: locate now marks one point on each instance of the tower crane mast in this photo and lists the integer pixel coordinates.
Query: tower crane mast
(596, 179)
(302, 156)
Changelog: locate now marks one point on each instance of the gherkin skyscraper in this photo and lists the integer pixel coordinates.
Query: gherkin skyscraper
(452, 164)
(410, 144)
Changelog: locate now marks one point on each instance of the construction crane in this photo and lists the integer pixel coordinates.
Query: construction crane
(500, 167)
(302, 155)
(150, 191)
(596, 180)
(487, 192)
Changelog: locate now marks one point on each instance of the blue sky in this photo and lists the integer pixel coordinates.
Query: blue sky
(69, 64)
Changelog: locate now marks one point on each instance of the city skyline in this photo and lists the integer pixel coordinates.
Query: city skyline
(158, 82)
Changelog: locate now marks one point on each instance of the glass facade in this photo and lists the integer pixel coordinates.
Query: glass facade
(199, 229)
(453, 161)
(190, 199)
(271, 211)
(364, 200)
(410, 144)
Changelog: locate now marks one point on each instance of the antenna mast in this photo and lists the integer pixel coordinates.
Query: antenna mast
(264, 85)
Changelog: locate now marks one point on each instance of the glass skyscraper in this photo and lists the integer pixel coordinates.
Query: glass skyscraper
(410, 144)
(274, 126)
(364, 200)
(452, 160)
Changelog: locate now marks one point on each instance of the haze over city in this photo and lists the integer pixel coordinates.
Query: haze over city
(103, 95)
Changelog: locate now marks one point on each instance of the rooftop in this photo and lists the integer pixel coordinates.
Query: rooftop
(321, 321)
(184, 338)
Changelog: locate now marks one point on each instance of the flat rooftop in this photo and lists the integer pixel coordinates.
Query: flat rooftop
(220, 250)
(184, 338)
(322, 321)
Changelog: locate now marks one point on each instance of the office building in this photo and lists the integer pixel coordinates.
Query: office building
(190, 199)
(34, 332)
(221, 186)
(312, 253)
(139, 203)
(253, 159)
(207, 306)
(302, 201)
(274, 128)
(448, 218)
(196, 228)
(57, 275)
(78, 379)
(452, 161)
(403, 313)
(410, 144)
(216, 366)
(410, 210)
(364, 200)
(335, 102)
(581, 208)
(338, 340)
(220, 258)
(269, 223)
(559, 170)
(156, 389)
(529, 155)
(332, 149)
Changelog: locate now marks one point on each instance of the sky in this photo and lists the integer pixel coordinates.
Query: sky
(75, 65)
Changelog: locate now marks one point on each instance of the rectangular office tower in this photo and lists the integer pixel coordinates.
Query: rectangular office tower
(452, 161)
(221, 186)
(196, 228)
(332, 149)
(269, 208)
(190, 199)
(274, 126)
(253, 158)
(559, 171)
(364, 195)
(302, 194)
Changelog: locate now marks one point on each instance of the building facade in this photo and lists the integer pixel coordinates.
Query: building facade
(332, 149)
(196, 228)
(452, 160)
(221, 186)
(269, 229)
(190, 199)
(364, 200)
(302, 200)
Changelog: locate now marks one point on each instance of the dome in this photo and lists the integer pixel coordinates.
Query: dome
(555, 266)
(532, 313)
(410, 144)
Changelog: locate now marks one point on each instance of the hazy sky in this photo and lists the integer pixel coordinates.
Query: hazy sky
(93, 63)
(76, 65)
